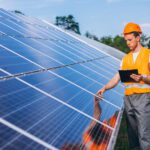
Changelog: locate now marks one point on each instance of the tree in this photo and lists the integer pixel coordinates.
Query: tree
(91, 36)
(145, 40)
(88, 35)
(120, 43)
(68, 23)
(148, 44)
(108, 40)
(117, 42)
(18, 12)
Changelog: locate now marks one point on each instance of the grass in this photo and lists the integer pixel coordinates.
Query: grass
(122, 139)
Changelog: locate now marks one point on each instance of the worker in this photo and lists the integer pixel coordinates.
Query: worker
(137, 93)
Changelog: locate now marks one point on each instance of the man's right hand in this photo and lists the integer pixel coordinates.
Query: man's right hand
(100, 92)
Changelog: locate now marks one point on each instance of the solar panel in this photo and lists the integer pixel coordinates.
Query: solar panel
(48, 81)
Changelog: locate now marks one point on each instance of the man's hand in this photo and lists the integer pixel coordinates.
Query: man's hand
(100, 92)
(136, 77)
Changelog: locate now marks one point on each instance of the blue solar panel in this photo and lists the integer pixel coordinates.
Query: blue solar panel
(41, 115)
(13, 63)
(16, 140)
(49, 80)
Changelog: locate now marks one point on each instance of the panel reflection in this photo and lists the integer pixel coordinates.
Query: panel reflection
(96, 135)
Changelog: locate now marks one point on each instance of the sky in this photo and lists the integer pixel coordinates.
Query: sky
(99, 17)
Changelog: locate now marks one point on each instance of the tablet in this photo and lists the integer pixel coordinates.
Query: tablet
(125, 75)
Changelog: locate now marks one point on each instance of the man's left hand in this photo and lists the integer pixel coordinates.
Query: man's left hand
(136, 77)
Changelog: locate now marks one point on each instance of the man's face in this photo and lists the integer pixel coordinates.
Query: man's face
(131, 41)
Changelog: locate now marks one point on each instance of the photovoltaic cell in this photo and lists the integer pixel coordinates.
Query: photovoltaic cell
(49, 101)
(10, 139)
(14, 64)
(38, 114)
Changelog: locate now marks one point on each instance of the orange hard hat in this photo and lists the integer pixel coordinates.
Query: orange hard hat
(132, 27)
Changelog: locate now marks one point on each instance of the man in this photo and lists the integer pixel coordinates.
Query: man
(137, 94)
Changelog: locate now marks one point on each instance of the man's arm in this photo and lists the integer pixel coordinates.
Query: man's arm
(146, 79)
(139, 78)
(111, 84)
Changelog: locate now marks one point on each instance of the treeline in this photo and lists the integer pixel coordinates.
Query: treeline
(118, 42)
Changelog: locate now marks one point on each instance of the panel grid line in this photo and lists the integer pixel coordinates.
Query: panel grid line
(40, 37)
(62, 104)
(57, 75)
(29, 135)
(79, 39)
(61, 54)
(58, 100)
(46, 69)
